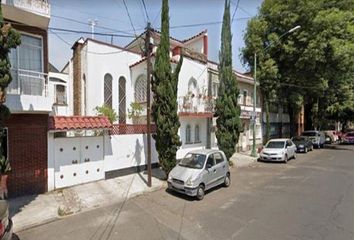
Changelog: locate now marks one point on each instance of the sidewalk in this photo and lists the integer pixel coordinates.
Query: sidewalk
(243, 159)
(30, 211)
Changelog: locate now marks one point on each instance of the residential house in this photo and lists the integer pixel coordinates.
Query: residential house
(27, 97)
(245, 85)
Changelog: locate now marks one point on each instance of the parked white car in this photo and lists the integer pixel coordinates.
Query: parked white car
(278, 150)
(318, 138)
(199, 171)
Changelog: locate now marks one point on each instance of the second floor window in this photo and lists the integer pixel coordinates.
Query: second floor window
(60, 95)
(245, 93)
(140, 89)
(108, 90)
(27, 66)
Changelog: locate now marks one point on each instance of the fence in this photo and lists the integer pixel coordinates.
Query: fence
(120, 129)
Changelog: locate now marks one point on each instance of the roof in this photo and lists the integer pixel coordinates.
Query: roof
(278, 139)
(195, 36)
(66, 123)
(144, 59)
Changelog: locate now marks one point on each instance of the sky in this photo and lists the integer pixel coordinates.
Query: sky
(112, 17)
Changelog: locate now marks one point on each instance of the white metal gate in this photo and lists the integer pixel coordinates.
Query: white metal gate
(78, 160)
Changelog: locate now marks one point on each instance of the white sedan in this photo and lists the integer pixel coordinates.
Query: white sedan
(279, 150)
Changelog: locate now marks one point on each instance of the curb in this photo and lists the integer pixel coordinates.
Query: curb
(54, 219)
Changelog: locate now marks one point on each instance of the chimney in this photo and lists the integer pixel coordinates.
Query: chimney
(77, 47)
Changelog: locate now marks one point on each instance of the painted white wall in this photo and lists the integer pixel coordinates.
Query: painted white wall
(196, 45)
(60, 110)
(186, 147)
(192, 69)
(125, 151)
(110, 60)
(51, 163)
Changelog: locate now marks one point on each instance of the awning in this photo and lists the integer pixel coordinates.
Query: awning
(67, 123)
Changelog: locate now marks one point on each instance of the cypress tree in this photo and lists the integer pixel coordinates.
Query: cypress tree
(9, 38)
(227, 110)
(164, 107)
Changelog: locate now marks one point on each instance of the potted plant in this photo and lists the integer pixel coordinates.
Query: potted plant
(135, 112)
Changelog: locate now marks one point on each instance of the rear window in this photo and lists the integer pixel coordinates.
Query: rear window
(275, 144)
(310, 134)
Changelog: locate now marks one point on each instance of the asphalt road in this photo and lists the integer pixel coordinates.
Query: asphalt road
(309, 198)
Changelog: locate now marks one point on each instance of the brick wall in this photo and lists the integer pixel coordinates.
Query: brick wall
(28, 147)
(77, 77)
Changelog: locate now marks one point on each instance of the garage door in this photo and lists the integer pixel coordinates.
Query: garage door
(78, 160)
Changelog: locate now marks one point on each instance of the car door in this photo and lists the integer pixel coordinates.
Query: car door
(210, 172)
(220, 166)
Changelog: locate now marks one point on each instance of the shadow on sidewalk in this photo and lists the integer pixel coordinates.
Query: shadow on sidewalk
(16, 204)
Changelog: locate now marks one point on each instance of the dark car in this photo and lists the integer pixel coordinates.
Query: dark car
(6, 223)
(348, 138)
(303, 144)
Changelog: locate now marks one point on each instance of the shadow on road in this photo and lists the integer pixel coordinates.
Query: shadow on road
(345, 147)
(189, 198)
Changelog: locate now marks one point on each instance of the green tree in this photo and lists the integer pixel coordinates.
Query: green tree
(227, 109)
(164, 107)
(108, 112)
(314, 65)
(9, 38)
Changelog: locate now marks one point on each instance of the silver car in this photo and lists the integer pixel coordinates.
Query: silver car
(199, 171)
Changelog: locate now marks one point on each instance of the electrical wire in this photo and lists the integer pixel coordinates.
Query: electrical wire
(130, 19)
(233, 15)
(147, 15)
(85, 32)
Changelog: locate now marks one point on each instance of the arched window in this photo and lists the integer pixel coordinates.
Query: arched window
(140, 89)
(193, 86)
(108, 90)
(196, 134)
(122, 100)
(85, 94)
(188, 134)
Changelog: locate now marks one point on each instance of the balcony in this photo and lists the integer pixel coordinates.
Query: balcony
(28, 92)
(196, 106)
(41, 7)
(29, 12)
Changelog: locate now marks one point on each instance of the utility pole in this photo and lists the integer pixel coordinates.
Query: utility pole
(253, 118)
(93, 23)
(148, 104)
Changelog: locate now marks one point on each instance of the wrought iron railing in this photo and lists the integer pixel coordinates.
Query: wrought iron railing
(27, 82)
(196, 104)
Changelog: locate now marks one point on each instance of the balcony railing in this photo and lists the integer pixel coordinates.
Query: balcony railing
(41, 7)
(27, 82)
(196, 104)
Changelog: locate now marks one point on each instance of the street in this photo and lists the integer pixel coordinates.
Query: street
(311, 197)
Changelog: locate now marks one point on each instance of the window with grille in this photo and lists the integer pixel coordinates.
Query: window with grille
(140, 89)
(188, 134)
(196, 134)
(108, 90)
(60, 95)
(122, 100)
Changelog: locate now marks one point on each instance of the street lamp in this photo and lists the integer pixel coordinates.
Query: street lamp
(253, 117)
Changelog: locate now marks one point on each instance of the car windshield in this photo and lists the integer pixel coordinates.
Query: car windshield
(275, 144)
(298, 139)
(310, 134)
(193, 160)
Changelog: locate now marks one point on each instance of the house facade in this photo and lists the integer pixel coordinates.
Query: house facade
(27, 97)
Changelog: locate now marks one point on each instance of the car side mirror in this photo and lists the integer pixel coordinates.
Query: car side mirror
(208, 166)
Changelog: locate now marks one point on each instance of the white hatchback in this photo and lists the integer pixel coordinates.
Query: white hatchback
(279, 150)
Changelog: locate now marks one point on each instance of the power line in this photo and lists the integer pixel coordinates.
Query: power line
(130, 19)
(147, 15)
(233, 15)
(85, 32)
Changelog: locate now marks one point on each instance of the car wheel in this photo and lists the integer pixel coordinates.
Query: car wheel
(200, 192)
(306, 150)
(286, 159)
(227, 180)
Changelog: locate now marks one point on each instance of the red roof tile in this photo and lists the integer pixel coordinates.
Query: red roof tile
(195, 36)
(66, 123)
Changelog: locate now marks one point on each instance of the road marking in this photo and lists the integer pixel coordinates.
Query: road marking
(242, 228)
